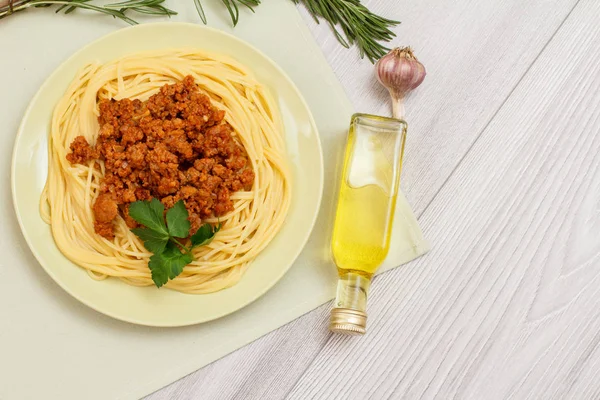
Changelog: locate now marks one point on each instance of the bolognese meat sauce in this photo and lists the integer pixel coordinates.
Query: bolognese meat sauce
(175, 146)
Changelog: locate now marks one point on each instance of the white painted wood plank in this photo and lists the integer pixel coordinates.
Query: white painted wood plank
(476, 52)
(507, 305)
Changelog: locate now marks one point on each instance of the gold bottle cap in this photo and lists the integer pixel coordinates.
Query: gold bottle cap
(348, 321)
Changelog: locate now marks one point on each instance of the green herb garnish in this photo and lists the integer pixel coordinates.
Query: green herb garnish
(161, 237)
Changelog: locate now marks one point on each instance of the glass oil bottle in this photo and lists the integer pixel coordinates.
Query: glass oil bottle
(364, 214)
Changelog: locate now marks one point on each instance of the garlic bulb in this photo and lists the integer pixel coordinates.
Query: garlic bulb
(400, 72)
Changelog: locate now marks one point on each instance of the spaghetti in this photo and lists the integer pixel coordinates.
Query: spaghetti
(71, 189)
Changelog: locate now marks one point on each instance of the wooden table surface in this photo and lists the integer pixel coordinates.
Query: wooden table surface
(502, 169)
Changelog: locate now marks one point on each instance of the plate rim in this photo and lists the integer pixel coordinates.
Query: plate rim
(132, 320)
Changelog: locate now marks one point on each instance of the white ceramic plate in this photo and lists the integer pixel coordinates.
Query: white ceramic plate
(149, 305)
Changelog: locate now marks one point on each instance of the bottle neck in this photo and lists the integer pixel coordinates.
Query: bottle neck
(352, 291)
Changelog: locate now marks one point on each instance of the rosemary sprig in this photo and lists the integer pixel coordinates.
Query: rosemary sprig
(359, 26)
(351, 22)
(152, 7)
(117, 10)
(232, 8)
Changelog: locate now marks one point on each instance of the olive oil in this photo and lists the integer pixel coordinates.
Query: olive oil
(364, 213)
(361, 236)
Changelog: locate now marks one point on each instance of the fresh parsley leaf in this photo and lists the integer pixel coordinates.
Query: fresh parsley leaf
(153, 241)
(160, 275)
(204, 235)
(149, 214)
(177, 220)
(168, 264)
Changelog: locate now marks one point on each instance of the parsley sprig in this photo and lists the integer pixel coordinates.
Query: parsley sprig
(164, 238)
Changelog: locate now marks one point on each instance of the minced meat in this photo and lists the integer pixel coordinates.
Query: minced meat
(175, 146)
